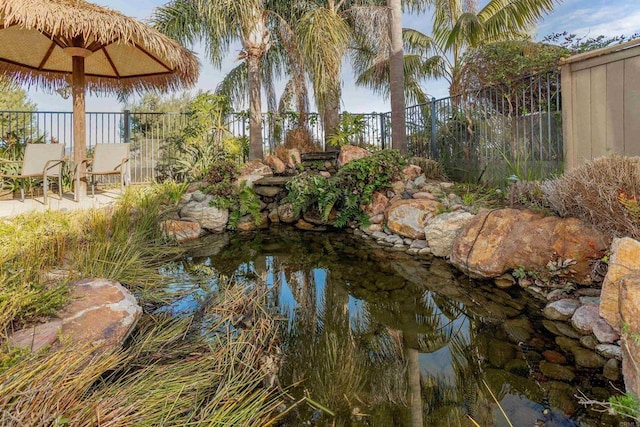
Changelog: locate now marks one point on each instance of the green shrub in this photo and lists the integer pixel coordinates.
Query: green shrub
(219, 179)
(348, 190)
(603, 192)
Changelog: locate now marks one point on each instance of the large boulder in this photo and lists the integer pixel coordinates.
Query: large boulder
(36, 337)
(292, 157)
(443, 229)
(408, 218)
(287, 213)
(255, 167)
(209, 217)
(249, 223)
(276, 165)
(629, 315)
(624, 260)
(101, 312)
(181, 231)
(253, 171)
(411, 172)
(497, 241)
(351, 152)
(378, 204)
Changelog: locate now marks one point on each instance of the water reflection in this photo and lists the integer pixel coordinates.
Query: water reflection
(379, 338)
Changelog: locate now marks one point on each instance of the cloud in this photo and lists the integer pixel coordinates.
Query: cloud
(609, 18)
(624, 23)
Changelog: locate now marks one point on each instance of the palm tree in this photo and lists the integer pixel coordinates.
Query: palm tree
(326, 30)
(457, 26)
(396, 77)
(218, 24)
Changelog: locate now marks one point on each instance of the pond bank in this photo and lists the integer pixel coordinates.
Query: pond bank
(555, 259)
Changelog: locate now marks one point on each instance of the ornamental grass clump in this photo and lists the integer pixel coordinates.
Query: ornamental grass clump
(42, 252)
(202, 369)
(604, 192)
(216, 366)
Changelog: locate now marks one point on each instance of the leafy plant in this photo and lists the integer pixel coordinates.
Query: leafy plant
(245, 202)
(220, 177)
(349, 190)
(349, 130)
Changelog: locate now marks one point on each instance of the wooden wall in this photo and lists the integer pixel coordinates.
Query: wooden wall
(601, 103)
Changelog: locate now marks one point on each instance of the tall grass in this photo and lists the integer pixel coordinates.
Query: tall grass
(42, 252)
(166, 376)
(197, 370)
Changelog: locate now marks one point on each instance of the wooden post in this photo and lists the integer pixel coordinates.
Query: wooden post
(79, 124)
(570, 160)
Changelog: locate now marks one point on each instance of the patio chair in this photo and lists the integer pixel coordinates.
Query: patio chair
(40, 161)
(108, 159)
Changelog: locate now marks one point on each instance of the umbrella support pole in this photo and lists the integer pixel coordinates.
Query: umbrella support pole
(79, 125)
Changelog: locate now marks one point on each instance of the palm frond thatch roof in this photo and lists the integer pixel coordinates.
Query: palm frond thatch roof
(121, 52)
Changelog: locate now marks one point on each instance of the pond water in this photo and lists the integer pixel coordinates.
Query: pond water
(385, 339)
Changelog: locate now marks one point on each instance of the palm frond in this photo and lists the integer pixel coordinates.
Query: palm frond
(235, 85)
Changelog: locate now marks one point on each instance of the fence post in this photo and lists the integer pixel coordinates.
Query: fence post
(383, 132)
(127, 125)
(434, 144)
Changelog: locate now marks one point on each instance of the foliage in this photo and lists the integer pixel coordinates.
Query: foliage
(575, 44)
(244, 202)
(507, 62)
(349, 190)
(218, 181)
(627, 405)
(19, 128)
(174, 371)
(238, 198)
(603, 192)
(123, 243)
(190, 153)
(349, 131)
(431, 169)
(458, 25)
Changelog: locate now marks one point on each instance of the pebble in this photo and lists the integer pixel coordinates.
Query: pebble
(609, 351)
(584, 318)
(561, 310)
(379, 235)
(604, 332)
(611, 370)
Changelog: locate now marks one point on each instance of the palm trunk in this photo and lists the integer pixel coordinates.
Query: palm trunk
(396, 77)
(255, 109)
(331, 114)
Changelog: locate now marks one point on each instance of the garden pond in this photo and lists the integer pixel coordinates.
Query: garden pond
(365, 329)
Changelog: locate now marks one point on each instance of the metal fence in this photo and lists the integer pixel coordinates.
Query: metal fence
(513, 129)
(490, 134)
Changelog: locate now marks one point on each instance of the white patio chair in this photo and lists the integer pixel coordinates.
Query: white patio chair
(108, 159)
(40, 161)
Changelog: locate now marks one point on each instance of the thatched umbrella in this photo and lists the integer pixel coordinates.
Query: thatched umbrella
(54, 43)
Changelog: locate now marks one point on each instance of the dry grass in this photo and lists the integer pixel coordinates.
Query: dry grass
(300, 138)
(431, 169)
(603, 192)
(201, 370)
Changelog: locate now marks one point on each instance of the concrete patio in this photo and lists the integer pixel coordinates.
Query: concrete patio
(9, 208)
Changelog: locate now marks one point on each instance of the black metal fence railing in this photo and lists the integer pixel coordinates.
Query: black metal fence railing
(489, 134)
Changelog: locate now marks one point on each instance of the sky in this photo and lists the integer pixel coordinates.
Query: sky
(581, 17)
